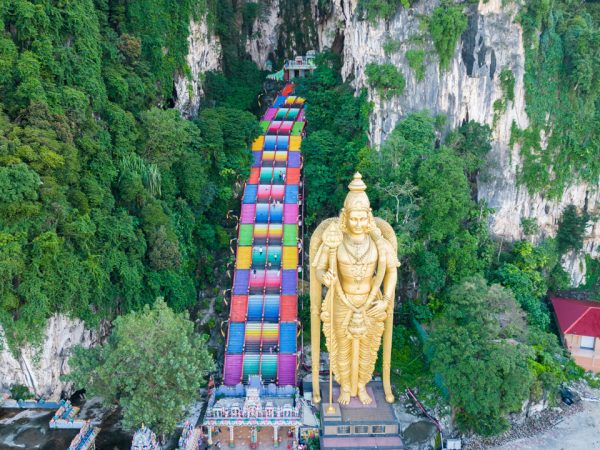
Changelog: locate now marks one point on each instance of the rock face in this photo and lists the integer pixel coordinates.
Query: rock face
(467, 90)
(283, 28)
(262, 43)
(204, 54)
(40, 368)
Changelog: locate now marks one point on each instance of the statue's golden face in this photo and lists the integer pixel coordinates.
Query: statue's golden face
(358, 222)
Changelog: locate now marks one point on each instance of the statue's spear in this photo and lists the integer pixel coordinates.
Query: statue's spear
(332, 239)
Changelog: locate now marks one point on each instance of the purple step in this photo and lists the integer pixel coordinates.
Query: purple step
(233, 369)
(286, 369)
(270, 114)
(256, 159)
(289, 282)
(240, 281)
(294, 159)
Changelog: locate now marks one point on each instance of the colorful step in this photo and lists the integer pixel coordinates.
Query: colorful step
(262, 330)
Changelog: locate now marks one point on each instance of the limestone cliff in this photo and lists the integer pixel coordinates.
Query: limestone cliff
(40, 367)
(204, 54)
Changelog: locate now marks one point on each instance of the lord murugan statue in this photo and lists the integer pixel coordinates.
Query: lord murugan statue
(355, 257)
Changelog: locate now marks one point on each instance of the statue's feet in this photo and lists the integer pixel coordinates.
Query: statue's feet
(344, 397)
(363, 396)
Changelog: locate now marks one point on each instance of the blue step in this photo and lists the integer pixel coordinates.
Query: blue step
(291, 194)
(287, 337)
(235, 340)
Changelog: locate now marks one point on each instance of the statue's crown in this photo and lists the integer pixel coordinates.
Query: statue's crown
(357, 198)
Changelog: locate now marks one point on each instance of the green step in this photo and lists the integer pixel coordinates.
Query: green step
(290, 235)
(297, 128)
(264, 125)
(268, 366)
(266, 175)
(258, 258)
(245, 237)
(250, 365)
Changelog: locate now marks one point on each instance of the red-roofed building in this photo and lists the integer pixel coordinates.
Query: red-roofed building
(579, 323)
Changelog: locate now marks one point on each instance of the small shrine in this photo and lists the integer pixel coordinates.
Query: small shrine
(298, 67)
(145, 439)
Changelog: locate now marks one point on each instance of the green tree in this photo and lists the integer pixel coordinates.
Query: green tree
(386, 79)
(571, 229)
(416, 61)
(152, 365)
(337, 123)
(526, 272)
(381, 9)
(446, 24)
(475, 347)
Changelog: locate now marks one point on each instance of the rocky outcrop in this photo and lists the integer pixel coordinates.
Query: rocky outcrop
(262, 42)
(204, 54)
(40, 367)
(467, 90)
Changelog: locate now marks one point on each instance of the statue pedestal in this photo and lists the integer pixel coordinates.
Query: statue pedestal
(355, 425)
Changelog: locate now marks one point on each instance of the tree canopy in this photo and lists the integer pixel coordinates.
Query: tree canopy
(476, 348)
(152, 366)
(108, 199)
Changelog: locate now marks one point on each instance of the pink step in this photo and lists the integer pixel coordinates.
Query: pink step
(270, 114)
(248, 213)
(290, 213)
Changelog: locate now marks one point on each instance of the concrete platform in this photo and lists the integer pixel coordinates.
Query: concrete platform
(358, 426)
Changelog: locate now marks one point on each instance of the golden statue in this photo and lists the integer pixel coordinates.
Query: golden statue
(355, 257)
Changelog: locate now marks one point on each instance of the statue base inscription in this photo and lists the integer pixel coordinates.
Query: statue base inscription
(356, 425)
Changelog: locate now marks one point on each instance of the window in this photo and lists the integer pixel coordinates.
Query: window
(587, 342)
(378, 429)
(343, 429)
(361, 429)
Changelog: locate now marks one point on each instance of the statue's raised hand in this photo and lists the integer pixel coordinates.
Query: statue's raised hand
(333, 236)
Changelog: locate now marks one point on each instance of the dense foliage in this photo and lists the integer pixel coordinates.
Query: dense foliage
(476, 349)
(20, 392)
(416, 61)
(386, 79)
(240, 82)
(106, 200)
(337, 124)
(152, 365)
(562, 86)
(571, 229)
(373, 10)
(426, 193)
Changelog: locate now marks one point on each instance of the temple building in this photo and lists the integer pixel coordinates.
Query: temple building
(256, 406)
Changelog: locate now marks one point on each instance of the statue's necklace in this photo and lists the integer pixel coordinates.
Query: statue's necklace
(358, 268)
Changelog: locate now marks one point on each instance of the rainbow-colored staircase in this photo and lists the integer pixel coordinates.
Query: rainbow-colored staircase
(261, 338)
